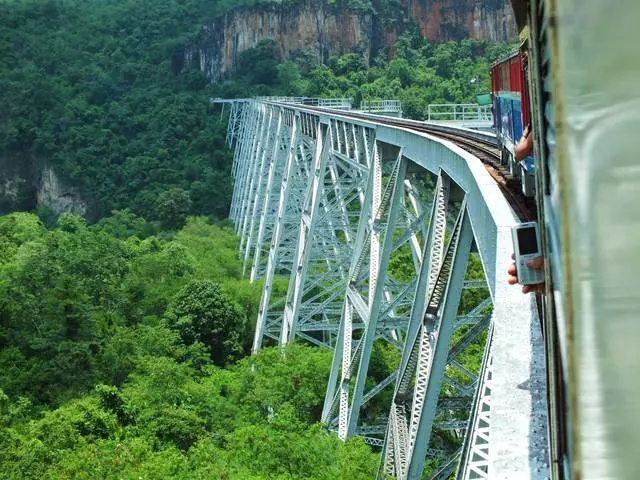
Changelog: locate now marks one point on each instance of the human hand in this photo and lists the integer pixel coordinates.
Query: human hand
(512, 271)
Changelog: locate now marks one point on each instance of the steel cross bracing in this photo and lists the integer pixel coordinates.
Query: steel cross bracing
(370, 229)
(425, 354)
(302, 199)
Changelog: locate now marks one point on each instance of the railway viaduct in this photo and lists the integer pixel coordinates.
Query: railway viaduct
(366, 232)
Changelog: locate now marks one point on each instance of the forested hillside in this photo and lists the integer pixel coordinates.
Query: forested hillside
(97, 90)
(119, 359)
(88, 87)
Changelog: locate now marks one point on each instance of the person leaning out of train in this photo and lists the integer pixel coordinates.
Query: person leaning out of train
(524, 148)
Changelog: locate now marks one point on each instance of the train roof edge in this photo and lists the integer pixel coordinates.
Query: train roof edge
(504, 58)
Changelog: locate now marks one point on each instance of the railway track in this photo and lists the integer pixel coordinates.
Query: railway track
(487, 153)
(490, 156)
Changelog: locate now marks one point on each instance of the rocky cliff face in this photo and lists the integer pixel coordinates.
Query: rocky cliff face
(458, 19)
(314, 27)
(57, 196)
(24, 185)
(300, 29)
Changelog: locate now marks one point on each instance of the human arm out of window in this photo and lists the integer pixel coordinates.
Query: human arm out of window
(524, 148)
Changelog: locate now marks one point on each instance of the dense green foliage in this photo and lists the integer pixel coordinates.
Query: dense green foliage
(72, 298)
(117, 361)
(89, 88)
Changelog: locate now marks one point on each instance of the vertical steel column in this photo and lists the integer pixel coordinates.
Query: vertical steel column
(241, 162)
(429, 334)
(267, 195)
(424, 415)
(341, 363)
(257, 181)
(378, 274)
(234, 122)
(430, 266)
(277, 235)
(305, 234)
(247, 152)
(251, 152)
(261, 201)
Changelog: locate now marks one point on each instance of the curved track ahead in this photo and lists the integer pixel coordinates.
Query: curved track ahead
(490, 155)
(487, 152)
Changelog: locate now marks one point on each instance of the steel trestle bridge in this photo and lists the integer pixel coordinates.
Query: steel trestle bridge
(363, 234)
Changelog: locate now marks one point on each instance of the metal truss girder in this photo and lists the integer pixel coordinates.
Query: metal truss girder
(378, 272)
(263, 217)
(451, 424)
(255, 151)
(371, 430)
(320, 247)
(371, 228)
(454, 403)
(314, 341)
(424, 417)
(434, 243)
(462, 389)
(276, 236)
(374, 442)
(430, 356)
(398, 300)
(475, 284)
(243, 163)
(337, 392)
(469, 337)
(378, 388)
(457, 365)
(475, 455)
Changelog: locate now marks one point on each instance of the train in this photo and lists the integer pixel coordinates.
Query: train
(511, 114)
(579, 66)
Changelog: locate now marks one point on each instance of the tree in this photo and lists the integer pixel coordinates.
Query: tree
(124, 224)
(172, 208)
(201, 312)
(290, 79)
(259, 65)
(322, 81)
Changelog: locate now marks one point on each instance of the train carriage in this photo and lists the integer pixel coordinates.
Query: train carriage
(511, 113)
